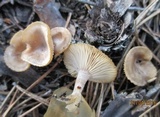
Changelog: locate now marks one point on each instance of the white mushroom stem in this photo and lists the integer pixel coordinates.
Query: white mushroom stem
(81, 80)
(75, 98)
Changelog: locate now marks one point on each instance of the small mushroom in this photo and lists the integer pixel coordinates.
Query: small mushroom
(61, 38)
(138, 66)
(85, 62)
(31, 46)
(12, 54)
(39, 45)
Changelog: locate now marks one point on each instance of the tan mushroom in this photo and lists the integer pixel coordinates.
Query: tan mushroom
(61, 39)
(85, 62)
(12, 54)
(39, 45)
(32, 46)
(138, 66)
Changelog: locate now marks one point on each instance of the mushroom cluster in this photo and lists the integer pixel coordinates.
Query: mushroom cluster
(138, 66)
(36, 46)
(85, 62)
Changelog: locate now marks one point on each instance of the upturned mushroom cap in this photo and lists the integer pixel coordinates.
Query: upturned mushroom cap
(12, 54)
(86, 63)
(39, 45)
(138, 66)
(84, 57)
(61, 38)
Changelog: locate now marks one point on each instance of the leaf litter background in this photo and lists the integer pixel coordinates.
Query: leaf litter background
(88, 23)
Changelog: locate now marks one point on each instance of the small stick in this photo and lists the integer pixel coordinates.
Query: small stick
(145, 11)
(5, 100)
(148, 18)
(100, 101)
(32, 85)
(14, 96)
(94, 94)
(90, 92)
(87, 92)
(33, 96)
(30, 110)
(156, 105)
(128, 48)
(68, 20)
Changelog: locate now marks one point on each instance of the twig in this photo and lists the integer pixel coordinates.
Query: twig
(145, 11)
(128, 48)
(31, 86)
(148, 18)
(30, 110)
(94, 95)
(156, 105)
(68, 20)
(14, 97)
(5, 100)
(33, 96)
(91, 92)
(87, 92)
(100, 101)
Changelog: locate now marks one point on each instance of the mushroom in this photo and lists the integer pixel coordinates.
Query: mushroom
(39, 45)
(138, 66)
(31, 46)
(86, 63)
(61, 38)
(12, 54)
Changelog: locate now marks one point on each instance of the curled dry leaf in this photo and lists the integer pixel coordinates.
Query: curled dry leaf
(138, 66)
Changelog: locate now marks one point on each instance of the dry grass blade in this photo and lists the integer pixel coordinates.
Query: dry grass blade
(148, 18)
(101, 98)
(30, 87)
(145, 11)
(30, 110)
(7, 97)
(147, 111)
(33, 96)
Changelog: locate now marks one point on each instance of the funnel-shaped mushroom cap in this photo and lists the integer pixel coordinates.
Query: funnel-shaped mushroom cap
(138, 67)
(85, 57)
(39, 45)
(12, 54)
(61, 39)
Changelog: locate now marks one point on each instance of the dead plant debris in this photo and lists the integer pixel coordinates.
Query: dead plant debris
(112, 26)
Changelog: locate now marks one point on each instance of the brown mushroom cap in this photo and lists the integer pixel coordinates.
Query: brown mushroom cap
(86, 57)
(138, 66)
(39, 45)
(61, 38)
(12, 54)
(31, 46)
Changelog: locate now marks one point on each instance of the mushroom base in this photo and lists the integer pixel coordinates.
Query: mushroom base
(74, 99)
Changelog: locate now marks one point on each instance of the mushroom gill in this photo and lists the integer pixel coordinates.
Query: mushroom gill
(85, 62)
